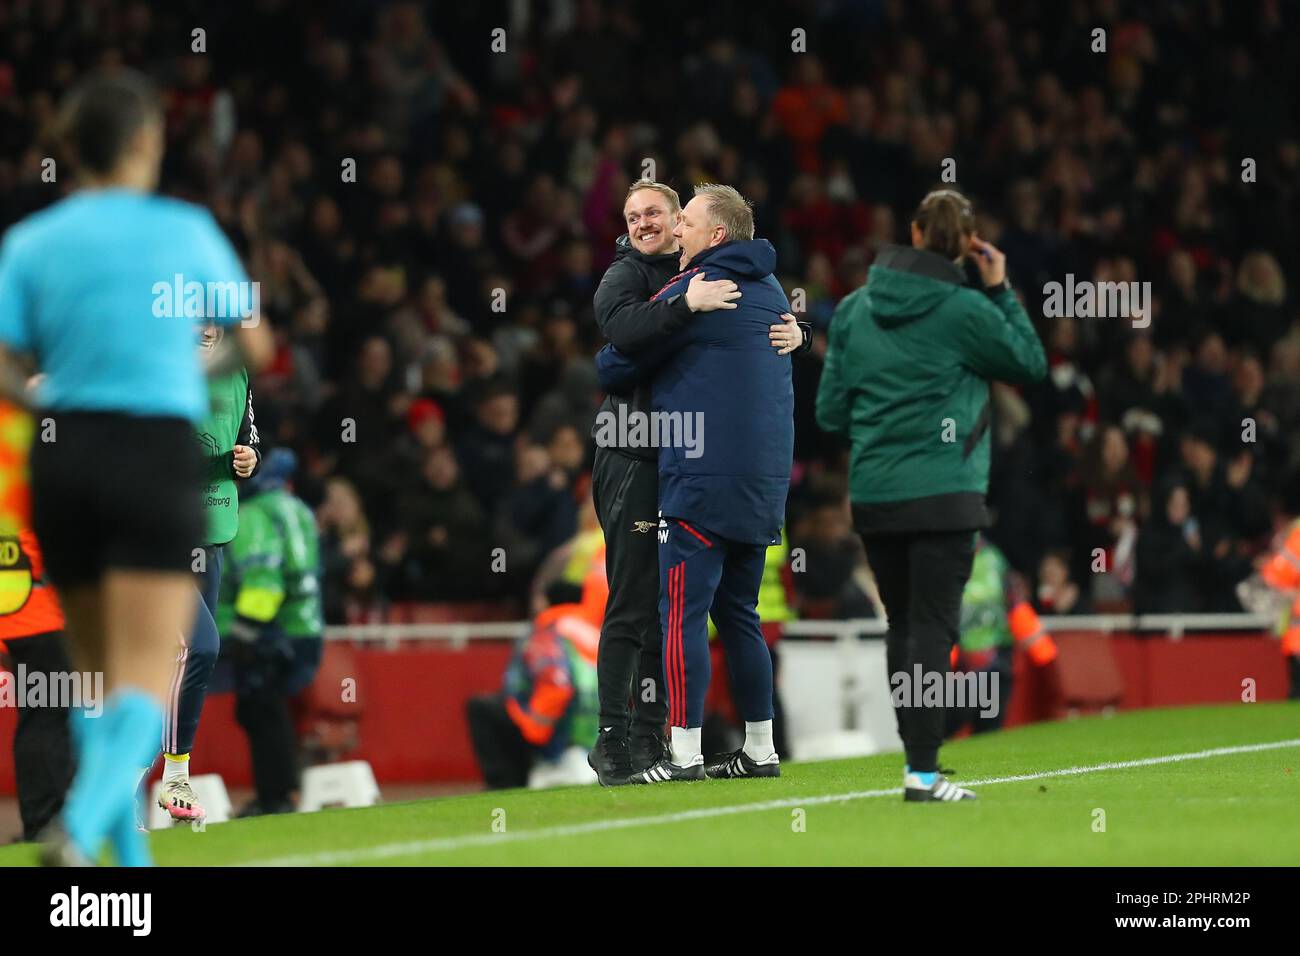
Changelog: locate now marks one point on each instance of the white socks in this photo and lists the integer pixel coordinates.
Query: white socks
(758, 740)
(758, 743)
(686, 746)
(176, 767)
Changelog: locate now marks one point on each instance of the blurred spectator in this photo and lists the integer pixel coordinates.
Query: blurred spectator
(806, 108)
(348, 574)
(1067, 388)
(443, 533)
(540, 512)
(487, 446)
(355, 426)
(1281, 397)
(1113, 503)
(1135, 391)
(426, 429)
(1057, 593)
(829, 564)
(1170, 562)
(1231, 511)
(1260, 316)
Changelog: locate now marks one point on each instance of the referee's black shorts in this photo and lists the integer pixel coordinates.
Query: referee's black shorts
(115, 491)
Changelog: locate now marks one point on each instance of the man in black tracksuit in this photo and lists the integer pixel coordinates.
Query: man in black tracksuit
(625, 481)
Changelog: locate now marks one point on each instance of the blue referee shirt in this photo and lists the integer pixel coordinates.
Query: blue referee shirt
(106, 288)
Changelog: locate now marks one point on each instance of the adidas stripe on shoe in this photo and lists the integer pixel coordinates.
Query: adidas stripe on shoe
(665, 771)
(733, 766)
(941, 791)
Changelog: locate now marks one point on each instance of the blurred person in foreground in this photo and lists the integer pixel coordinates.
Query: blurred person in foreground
(271, 622)
(79, 289)
(31, 631)
(625, 482)
(907, 378)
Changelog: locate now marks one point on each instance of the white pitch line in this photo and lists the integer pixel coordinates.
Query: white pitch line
(410, 848)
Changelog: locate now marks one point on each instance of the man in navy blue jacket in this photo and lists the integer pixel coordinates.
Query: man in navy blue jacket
(722, 414)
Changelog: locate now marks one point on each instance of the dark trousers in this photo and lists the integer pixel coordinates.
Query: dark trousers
(268, 673)
(625, 492)
(921, 578)
(722, 734)
(704, 575)
(503, 755)
(195, 661)
(43, 761)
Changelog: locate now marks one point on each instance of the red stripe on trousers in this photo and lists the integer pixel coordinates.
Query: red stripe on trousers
(707, 542)
(677, 664)
(681, 642)
(670, 668)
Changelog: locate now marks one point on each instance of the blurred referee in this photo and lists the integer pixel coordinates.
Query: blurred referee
(907, 379)
(85, 289)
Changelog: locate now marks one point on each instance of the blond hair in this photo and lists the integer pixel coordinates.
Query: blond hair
(729, 209)
(670, 194)
(1260, 278)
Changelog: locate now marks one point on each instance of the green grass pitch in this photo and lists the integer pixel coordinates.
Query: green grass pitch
(1239, 807)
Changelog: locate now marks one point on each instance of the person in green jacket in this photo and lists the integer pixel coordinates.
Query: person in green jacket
(270, 619)
(232, 451)
(906, 378)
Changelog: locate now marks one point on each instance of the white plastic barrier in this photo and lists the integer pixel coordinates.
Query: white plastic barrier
(570, 769)
(348, 784)
(836, 699)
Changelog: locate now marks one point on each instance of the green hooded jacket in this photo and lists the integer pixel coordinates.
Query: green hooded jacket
(229, 423)
(907, 377)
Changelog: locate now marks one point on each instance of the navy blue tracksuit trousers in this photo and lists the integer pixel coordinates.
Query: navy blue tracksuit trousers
(704, 575)
(194, 661)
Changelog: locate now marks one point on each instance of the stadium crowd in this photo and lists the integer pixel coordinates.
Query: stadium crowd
(428, 226)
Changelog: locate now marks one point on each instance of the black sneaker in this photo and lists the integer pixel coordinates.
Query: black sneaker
(665, 771)
(610, 758)
(733, 766)
(941, 791)
(646, 750)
